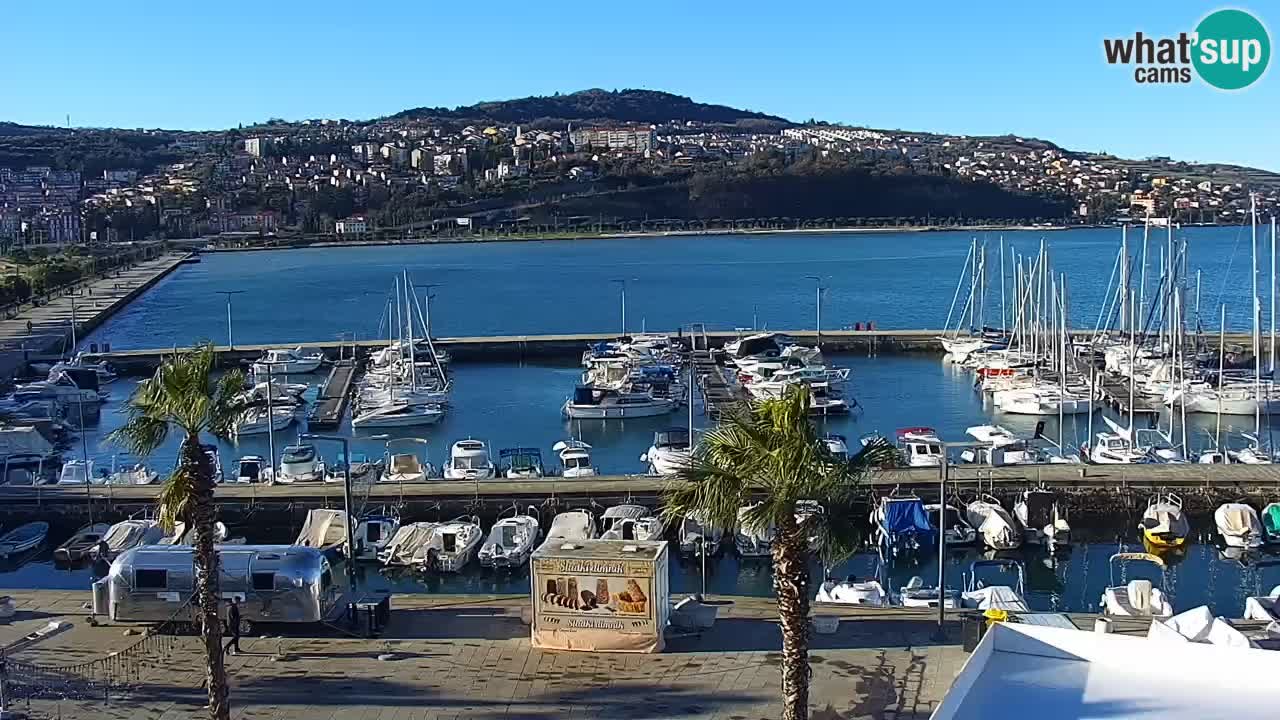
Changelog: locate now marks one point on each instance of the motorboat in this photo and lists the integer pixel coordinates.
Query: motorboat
(1238, 525)
(746, 351)
(902, 526)
(575, 459)
(570, 526)
(1138, 597)
(511, 540)
(300, 464)
(23, 538)
(453, 544)
(215, 460)
(408, 546)
(253, 421)
(1000, 447)
(1263, 607)
(590, 403)
(1040, 518)
(252, 469)
(1164, 525)
(403, 467)
(630, 522)
(288, 362)
(995, 526)
(852, 591)
(128, 534)
(698, 535)
(1115, 449)
(24, 469)
(137, 474)
(75, 472)
(985, 593)
(521, 463)
(952, 521)
(101, 369)
(364, 469)
(670, 453)
(750, 539)
(837, 445)
(920, 447)
(1049, 401)
(469, 460)
(823, 402)
(373, 534)
(65, 386)
(81, 544)
(324, 529)
(1270, 520)
(399, 414)
(275, 392)
(915, 594)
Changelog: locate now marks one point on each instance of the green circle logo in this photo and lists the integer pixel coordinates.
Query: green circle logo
(1232, 49)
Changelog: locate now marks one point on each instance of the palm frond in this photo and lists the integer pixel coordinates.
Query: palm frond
(176, 498)
(225, 408)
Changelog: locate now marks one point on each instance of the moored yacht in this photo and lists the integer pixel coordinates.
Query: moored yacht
(670, 453)
(511, 539)
(288, 362)
(453, 544)
(404, 465)
(254, 421)
(300, 464)
(920, 447)
(521, 463)
(397, 415)
(590, 403)
(575, 459)
(469, 460)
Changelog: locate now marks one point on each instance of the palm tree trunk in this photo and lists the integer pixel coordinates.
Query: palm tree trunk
(208, 596)
(791, 586)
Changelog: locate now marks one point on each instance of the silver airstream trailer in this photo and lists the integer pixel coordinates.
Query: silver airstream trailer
(274, 584)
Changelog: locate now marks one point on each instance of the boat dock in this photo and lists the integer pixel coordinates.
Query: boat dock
(718, 396)
(331, 403)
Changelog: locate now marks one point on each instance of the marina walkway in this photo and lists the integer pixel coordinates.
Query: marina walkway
(89, 305)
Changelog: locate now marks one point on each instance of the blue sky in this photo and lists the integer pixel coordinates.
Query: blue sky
(1033, 69)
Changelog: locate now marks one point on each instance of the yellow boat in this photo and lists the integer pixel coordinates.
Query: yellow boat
(1164, 526)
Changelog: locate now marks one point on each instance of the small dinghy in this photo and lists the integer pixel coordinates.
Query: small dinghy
(630, 522)
(982, 593)
(1271, 523)
(1041, 521)
(1137, 597)
(1238, 525)
(914, 594)
(453, 544)
(23, 538)
(954, 526)
(511, 540)
(408, 547)
(1164, 525)
(81, 544)
(852, 592)
(994, 524)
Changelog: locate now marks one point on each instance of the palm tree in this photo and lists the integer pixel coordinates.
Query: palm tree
(183, 396)
(771, 455)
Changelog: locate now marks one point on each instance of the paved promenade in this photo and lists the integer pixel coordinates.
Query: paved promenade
(471, 658)
(93, 303)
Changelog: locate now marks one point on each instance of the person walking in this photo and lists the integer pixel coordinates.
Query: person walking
(233, 628)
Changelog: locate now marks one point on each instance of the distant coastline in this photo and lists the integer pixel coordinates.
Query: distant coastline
(255, 244)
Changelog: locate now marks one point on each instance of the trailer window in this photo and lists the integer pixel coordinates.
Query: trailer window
(264, 581)
(150, 579)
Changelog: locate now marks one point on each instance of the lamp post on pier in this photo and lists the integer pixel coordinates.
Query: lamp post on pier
(818, 320)
(622, 284)
(228, 294)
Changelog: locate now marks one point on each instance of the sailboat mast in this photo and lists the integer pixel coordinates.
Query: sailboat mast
(1271, 350)
(1124, 279)
(1004, 315)
(1222, 363)
(1256, 308)
(1142, 273)
(408, 313)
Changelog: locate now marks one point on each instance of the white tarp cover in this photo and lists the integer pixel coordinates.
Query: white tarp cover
(323, 529)
(408, 545)
(1055, 674)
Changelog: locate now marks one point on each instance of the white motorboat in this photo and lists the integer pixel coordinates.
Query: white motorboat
(405, 467)
(750, 539)
(511, 540)
(571, 526)
(469, 460)
(698, 535)
(138, 474)
(837, 445)
(1163, 523)
(994, 524)
(630, 522)
(916, 595)
(300, 464)
(23, 538)
(62, 387)
(1265, 608)
(102, 369)
(408, 546)
(373, 534)
(852, 591)
(983, 593)
(1238, 525)
(75, 472)
(288, 362)
(575, 459)
(670, 453)
(1040, 517)
(129, 534)
(184, 535)
(453, 544)
(920, 447)
(952, 521)
(253, 421)
(397, 415)
(590, 403)
(252, 469)
(1001, 447)
(1115, 449)
(521, 463)
(1041, 401)
(279, 393)
(1137, 597)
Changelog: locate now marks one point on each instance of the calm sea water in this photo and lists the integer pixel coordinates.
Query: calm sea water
(902, 280)
(897, 280)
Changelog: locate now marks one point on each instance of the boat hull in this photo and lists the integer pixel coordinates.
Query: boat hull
(616, 412)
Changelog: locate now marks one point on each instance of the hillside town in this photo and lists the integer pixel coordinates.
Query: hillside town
(347, 179)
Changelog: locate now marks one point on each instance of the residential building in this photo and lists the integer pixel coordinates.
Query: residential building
(636, 139)
(257, 146)
(351, 226)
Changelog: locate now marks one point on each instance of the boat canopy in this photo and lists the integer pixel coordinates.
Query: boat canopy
(906, 516)
(671, 438)
(298, 454)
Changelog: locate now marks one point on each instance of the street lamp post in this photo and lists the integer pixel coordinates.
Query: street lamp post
(622, 284)
(818, 321)
(426, 322)
(346, 496)
(84, 449)
(229, 293)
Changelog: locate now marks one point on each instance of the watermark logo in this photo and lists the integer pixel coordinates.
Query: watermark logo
(1229, 50)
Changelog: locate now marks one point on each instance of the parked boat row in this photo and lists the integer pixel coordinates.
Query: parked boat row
(635, 376)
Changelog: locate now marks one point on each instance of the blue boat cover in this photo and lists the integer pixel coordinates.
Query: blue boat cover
(907, 517)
